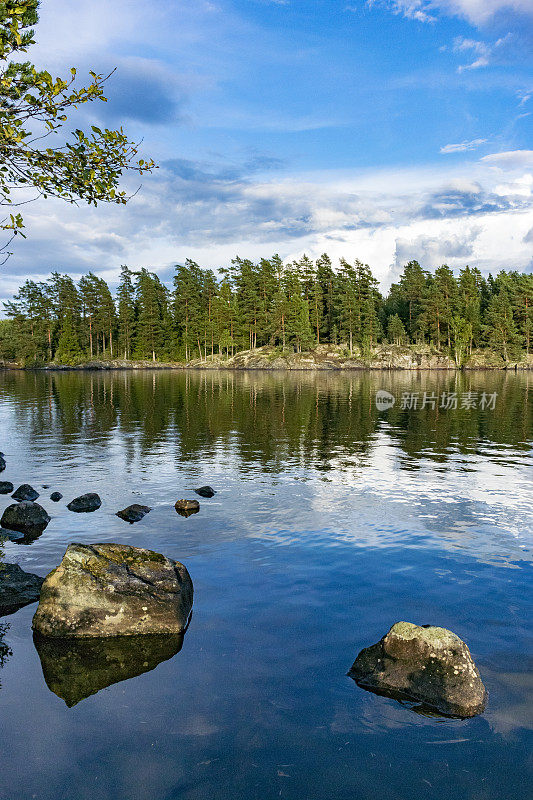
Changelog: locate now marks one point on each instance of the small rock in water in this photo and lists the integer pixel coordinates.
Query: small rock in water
(133, 513)
(17, 588)
(56, 497)
(85, 502)
(205, 491)
(26, 517)
(187, 507)
(427, 664)
(114, 590)
(2, 463)
(45, 486)
(6, 487)
(25, 492)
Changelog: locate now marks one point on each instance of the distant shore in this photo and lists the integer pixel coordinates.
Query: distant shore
(322, 358)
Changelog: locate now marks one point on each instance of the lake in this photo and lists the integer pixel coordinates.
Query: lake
(332, 520)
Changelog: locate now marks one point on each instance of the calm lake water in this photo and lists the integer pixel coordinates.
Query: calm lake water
(331, 521)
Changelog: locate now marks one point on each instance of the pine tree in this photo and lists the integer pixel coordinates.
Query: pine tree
(152, 320)
(469, 301)
(89, 292)
(68, 349)
(348, 304)
(297, 327)
(396, 330)
(521, 295)
(326, 280)
(412, 289)
(500, 330)
(66, 309)
(126, 312)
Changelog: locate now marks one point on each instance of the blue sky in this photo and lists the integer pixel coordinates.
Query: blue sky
(383, 130)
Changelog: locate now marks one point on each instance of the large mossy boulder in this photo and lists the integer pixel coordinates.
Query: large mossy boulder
(426, 664)
(77, 668)
(17, 588)
(114, 590)
(25, 517)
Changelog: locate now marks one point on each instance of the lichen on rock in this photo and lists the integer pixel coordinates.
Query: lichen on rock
(428, 664)
(114, 590)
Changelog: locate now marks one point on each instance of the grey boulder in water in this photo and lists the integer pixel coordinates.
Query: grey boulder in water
(427, 664)
(17, 588)
(25, 517)
(133, 513)
(114, 590)
(85, 502)
(205, 491)
(25, 492)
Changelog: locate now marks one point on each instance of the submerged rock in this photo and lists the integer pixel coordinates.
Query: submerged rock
(56, 497)
(77, 668)
(85, 502)
(2, 463)
(187, 507)
(6, 487)
(17, 588)
(133, 513)
(205, 491)
(25, 517)
(25, 492)
(114, 590)
(426, 664)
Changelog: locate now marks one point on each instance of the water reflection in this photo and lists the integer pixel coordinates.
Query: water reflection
(77, 668)
(5, 650)
(312, 419)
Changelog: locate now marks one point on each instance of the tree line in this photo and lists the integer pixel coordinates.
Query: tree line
(294, 306)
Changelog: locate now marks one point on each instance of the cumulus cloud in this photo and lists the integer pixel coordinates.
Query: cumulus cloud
(210, 211)
(435, 250)
(462, 146)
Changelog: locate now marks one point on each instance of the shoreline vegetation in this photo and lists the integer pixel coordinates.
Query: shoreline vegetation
(321, 358)
(273, 315)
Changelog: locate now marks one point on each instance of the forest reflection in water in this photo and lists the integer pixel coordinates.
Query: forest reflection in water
(274, 419)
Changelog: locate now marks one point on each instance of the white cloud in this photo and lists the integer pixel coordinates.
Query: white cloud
(477, 12)
(462, 146)
(485, 52)
(510, 159)
(412, 9)
(440, 214)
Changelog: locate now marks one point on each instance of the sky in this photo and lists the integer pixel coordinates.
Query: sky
(383, 130)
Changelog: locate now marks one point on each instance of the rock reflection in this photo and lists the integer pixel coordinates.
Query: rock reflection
(77, 668)
(5, 650)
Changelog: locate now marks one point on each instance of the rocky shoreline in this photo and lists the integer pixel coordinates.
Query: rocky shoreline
(322, 358)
